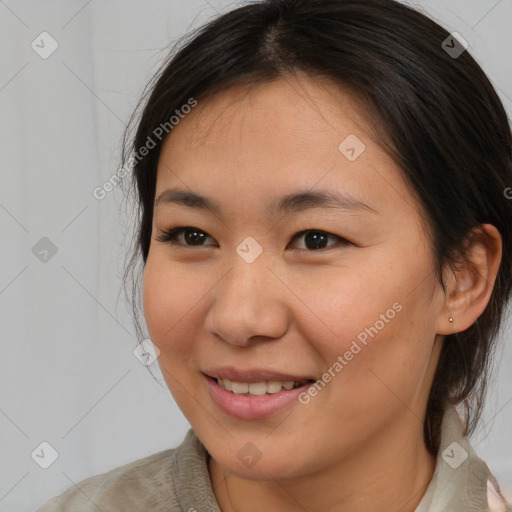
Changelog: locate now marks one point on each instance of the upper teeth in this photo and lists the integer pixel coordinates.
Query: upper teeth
(257, 388)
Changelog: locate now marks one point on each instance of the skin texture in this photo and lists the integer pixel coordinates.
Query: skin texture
(358, 444)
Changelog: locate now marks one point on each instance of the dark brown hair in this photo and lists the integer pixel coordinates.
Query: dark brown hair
(440, 117)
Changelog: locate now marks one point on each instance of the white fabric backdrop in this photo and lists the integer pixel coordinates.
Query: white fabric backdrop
(68, 373)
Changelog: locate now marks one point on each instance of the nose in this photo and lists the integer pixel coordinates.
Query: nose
(248, 305)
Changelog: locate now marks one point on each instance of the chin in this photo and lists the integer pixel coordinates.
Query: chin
(263, 470)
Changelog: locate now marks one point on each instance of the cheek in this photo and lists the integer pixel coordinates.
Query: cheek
(168, 295)
(174, 308)
(375, 320)
(349, 305)
(166, 304)
(154, 298)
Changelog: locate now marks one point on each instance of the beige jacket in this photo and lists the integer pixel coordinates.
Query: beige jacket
(178, 480)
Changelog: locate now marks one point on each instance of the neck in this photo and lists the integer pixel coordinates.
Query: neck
(392, 474)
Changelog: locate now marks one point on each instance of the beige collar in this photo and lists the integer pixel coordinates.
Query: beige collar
(461, 480)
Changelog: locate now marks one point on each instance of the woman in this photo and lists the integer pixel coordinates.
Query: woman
(326, 245)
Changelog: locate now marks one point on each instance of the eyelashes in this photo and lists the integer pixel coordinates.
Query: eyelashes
(171, 236)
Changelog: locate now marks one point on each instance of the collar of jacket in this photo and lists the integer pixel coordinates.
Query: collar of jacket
(461, 481)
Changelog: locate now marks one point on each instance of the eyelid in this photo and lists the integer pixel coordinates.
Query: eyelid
(340, 239)
(169, 236)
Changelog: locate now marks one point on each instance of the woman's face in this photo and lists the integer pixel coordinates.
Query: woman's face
(352, 304)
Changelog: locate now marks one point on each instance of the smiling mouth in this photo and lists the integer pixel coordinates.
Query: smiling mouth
(257, 399)
(260, 388)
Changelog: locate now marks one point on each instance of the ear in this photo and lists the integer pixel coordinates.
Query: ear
(469, 282)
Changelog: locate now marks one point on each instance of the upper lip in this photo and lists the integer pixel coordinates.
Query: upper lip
(252, 375)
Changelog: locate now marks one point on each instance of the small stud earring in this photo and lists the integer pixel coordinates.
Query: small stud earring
(451, 320)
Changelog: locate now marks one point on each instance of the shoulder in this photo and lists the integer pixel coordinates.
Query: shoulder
(137, 483)
(145, 484)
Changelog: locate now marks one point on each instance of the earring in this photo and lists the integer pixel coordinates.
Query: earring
(451, 320)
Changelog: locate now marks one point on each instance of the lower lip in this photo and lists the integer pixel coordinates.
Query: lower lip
(250, 406)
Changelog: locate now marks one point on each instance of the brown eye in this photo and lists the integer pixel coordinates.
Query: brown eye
(315, 239)
(191, 236)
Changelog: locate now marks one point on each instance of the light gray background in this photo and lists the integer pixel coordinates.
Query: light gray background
(68, 373)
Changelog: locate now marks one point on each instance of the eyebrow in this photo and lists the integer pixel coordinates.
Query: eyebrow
(295, 202)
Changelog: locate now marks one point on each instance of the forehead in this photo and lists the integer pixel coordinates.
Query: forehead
(294, 107)
(273, 137)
